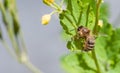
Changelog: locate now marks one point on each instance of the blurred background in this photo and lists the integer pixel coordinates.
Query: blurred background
(44, 43)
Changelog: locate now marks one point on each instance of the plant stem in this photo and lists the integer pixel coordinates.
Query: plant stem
(8, 49)
(87, 15)
(61, 3)
(22, 41)
(21, 58)
(95, 31)
(57, 6)
(30, 66)
(25, 60)
(10, 30)
(96, 61)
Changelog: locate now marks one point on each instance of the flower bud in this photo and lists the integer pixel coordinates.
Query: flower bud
(48, 2)
(100, 23)
(102, 1)
(46, 19)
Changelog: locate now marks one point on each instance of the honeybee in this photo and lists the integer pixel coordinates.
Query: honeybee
(89, 39)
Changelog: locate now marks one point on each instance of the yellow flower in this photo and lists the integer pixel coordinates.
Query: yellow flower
(100, 23)
(46, 19)
(48, 2)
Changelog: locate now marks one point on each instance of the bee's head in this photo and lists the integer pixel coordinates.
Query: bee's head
(83, 31)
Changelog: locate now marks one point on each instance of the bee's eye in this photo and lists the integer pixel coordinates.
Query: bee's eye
(79, 28)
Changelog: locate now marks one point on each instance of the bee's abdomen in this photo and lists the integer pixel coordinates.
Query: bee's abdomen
(89, 43)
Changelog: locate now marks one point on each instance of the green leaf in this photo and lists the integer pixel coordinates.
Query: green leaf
(70, 45)
(114, 44)
(107, 45)
(65, 36)
(71, 64)
(78, 63)
(107, 29)
(75, 44)
(111, 44)
(116, 69)
(66, 23)
(77, 14)
(104, 12)
(100, 48)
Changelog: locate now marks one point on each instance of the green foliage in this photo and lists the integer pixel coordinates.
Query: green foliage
(78, 12)
(107, 45)
(104, 12)
(75, 44)
(92, 14)
(78, 63)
